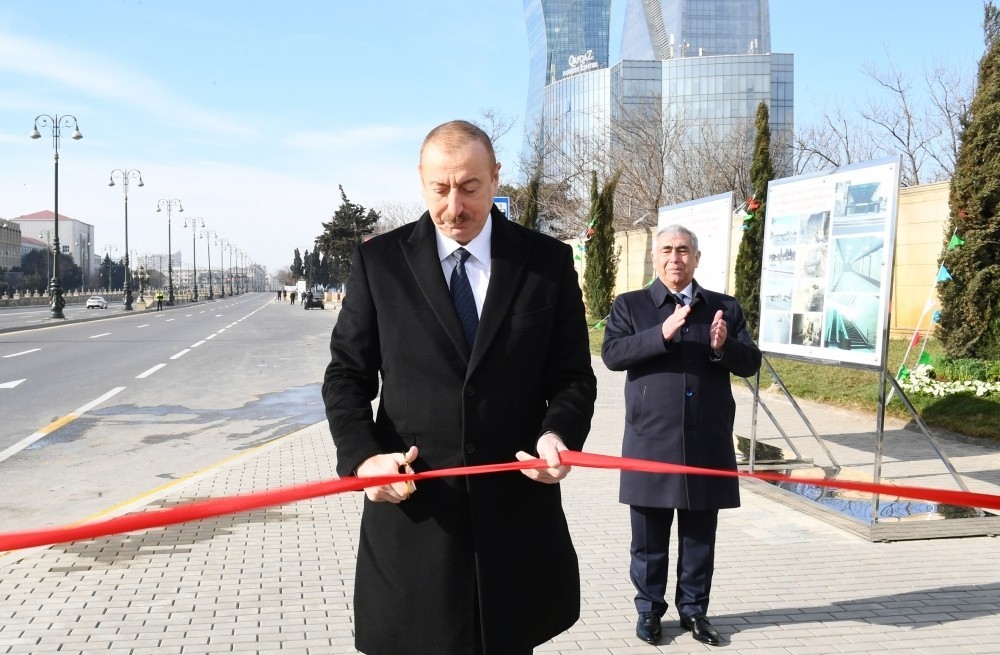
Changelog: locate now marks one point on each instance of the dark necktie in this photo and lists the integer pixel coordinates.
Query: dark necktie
(461, 295)
(681, 299)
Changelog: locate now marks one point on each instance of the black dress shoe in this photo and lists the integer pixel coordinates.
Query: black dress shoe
(648, 627)
(701, 630)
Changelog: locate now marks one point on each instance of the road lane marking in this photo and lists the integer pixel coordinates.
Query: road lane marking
(56, 424)
(142, 326)
(102, 334)
(148, 372)
(171, 319)
(198, 344)
(23, 352)
(12, 383)
(181, 353)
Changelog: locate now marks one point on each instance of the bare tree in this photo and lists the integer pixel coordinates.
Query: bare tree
(836, 140)
(921, 125)
(397, 214)
(496, 125)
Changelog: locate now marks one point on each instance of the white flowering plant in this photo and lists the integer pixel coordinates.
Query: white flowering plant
(922, 380)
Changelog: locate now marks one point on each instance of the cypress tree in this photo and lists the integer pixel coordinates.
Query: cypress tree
(601, 265)
(969, 282)
(529, 217)
(751, 254)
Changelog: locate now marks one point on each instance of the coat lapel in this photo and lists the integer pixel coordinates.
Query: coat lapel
(420, 251)
(508, 254)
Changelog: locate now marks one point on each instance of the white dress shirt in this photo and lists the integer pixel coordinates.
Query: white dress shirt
(477, 266)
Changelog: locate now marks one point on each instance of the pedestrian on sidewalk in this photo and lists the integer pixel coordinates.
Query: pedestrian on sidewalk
(679, 344)
(475, 328)
(159, 300)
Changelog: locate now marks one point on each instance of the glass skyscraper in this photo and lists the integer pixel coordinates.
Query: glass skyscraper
(706, 63)
(565, 37)
(671, 29)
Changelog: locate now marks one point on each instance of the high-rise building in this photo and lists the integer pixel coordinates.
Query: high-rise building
(565, 37)
(698, 68)
(671, 29)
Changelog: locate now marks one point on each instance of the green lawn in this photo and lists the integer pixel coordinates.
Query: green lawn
(858, 389)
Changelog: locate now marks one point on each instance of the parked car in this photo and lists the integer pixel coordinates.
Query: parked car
(99, 302)
(314, 299)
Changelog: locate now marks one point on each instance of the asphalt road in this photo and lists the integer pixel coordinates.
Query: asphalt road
(96, 413)
(39, 315)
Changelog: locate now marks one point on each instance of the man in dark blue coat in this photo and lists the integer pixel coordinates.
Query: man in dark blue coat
(679, 344)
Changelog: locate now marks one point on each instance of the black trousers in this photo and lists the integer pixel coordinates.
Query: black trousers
(650, 550)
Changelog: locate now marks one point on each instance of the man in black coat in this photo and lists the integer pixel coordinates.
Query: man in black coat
(465, 564)
(679, 344)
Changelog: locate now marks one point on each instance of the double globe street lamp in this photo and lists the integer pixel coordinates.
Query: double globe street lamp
(56, 123)
(124, 175)
(169, 203)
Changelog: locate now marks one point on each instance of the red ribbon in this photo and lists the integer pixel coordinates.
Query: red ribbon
(261, 499)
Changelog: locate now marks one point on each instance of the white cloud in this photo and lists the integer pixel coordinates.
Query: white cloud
(105, 79)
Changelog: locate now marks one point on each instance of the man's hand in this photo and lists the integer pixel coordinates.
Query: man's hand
(549, 446)
(675, 322)
(388, 464)
(718, 333)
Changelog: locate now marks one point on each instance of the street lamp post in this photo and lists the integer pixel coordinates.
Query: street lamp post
(48, 257)
(124, 175)
(193, 221)
(170, 203)
(57, 122)
(141, 275)
(229, 246)
(222, 266)
(236, 273)
(208, 235)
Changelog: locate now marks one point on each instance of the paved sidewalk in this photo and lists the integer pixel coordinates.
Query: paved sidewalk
(280, 580)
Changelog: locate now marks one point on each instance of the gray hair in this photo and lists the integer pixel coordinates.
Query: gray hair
(677, 229)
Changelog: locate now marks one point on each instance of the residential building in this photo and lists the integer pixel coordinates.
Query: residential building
(10, 244)
(76, 238)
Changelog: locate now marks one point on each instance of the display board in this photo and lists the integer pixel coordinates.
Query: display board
(711, 220)
(826, 276)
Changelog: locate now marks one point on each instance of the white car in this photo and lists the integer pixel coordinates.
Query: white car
(97, 301)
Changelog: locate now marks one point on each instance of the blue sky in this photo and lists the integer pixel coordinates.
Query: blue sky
(252, 113)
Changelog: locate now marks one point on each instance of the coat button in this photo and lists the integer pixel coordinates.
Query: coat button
(470, 390)
(470, 448)
(685, 330)
(689, 392)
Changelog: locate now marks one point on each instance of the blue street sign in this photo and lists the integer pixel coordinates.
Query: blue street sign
(503, 204)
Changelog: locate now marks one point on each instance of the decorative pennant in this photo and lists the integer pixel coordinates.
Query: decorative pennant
(916, 339)
(936, 317)
(955, 242)
(925, 358)
(599, 324)
(904, 373)
(943, 274)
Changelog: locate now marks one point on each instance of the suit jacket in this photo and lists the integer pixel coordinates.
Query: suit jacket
(679, 405)
(503, 535)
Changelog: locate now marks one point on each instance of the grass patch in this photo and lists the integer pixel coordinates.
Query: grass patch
(857, 389)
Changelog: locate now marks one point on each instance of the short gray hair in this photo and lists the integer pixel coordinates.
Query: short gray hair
(675, 229)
